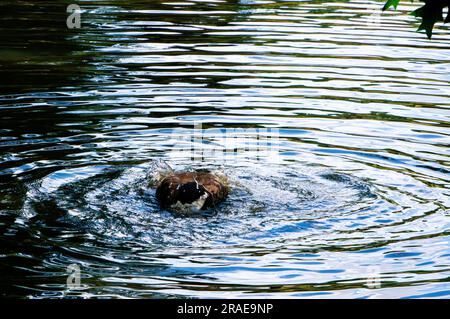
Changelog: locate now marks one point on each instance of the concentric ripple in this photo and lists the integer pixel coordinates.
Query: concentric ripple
(357, 204)
(116, 203)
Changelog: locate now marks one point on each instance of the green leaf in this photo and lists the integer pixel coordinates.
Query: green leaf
(430, 12)
(391, 3)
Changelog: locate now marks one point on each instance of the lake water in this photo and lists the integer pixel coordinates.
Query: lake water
(356, 204)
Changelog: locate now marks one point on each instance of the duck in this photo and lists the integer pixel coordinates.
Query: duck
(192, 191)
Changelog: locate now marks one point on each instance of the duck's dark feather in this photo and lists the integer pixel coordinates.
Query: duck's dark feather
(199, 188)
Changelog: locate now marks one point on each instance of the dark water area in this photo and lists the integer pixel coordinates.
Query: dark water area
(356, 204)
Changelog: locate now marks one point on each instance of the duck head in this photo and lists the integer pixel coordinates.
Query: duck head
(191, 191)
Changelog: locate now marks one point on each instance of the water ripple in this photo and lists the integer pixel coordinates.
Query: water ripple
(358, 205)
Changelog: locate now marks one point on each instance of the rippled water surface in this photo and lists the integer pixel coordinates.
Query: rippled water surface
(356, 205)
